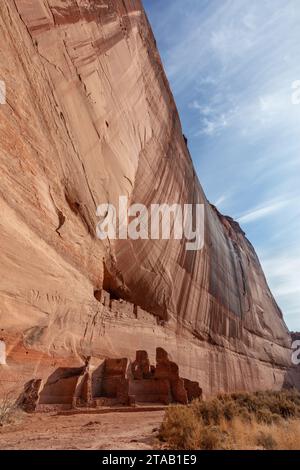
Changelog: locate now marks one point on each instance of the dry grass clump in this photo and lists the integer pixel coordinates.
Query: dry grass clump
(262, 420)
(8, 408)
(265, 407)
(180, 428)
(10, 411)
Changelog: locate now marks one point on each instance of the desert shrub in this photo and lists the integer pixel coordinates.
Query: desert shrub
(237, 420)
(248, 402)
(183, 429)
(230, 410)
(211, 438)
(210, 412)
(284, 408)
(245, 416)
(180, 428)
(266, 416)
(266, 440)
(8, 408)
(285, 404)
(294, 396)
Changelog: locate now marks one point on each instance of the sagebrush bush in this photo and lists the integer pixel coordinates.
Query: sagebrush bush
(211, 438)
(233, 421)
(180, 428)
(8, 408)
(210, 412)
(266, 441)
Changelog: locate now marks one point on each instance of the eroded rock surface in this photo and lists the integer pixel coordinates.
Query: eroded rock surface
(90, 117)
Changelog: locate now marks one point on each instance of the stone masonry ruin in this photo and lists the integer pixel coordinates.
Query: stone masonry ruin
(113, 382)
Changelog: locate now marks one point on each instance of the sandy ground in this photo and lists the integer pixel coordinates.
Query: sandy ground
(111, 431)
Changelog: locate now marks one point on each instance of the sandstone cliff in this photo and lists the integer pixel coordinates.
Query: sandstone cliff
(89, 117)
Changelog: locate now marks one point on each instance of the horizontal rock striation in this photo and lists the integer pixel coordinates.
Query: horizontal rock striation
(89, 117)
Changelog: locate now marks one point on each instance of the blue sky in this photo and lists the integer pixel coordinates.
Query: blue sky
(231, 65)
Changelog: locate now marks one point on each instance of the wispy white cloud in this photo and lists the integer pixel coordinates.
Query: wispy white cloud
(263, 211)
(212, 125)
(204, 110)
(248, 117)
(280, 270)
(231, 42)
(250, 21)
(220, 201)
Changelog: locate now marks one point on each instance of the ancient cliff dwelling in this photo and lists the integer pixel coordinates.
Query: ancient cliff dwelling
(111, 382)
(89, 116)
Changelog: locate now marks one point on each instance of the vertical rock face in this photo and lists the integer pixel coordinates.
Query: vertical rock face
(292, 378)
(89, 116)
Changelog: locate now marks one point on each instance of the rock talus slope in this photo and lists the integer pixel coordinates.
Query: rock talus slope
(89, 117)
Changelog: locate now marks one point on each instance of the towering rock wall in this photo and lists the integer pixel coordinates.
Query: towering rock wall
(89, 117)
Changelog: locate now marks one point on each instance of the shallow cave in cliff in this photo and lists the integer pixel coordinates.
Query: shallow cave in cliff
(114, 285)
(72, 202)
(98, 294)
